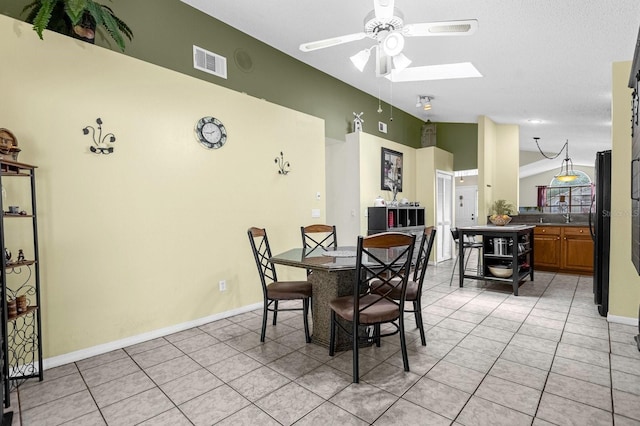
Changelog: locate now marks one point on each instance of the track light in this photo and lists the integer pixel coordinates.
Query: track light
(360, 59)
(424, 102)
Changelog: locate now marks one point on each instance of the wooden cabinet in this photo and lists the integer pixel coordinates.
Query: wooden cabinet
(577, 250)
(546, 241)
(563, 249)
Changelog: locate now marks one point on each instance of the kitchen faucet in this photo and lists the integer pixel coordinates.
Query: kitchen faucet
(567, 217)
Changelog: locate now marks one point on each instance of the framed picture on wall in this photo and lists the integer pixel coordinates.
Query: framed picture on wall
(391, 170)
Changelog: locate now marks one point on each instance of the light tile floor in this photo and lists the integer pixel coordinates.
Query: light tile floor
(544, 357)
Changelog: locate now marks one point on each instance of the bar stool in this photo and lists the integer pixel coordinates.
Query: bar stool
(468, 246)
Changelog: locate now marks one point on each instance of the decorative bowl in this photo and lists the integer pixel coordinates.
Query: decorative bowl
(500, 220)
(501, 271)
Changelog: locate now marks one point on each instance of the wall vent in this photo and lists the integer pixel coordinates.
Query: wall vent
(210, 62)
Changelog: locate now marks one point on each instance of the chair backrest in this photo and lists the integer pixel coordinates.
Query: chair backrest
(424, 252)
(262, 253)
(455, 234)
(385, 259)
(314, 236)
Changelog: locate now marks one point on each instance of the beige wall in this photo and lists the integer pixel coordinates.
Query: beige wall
(430, 160)
(624, 290)
(137, 241)
(497, 179)
(370, 161)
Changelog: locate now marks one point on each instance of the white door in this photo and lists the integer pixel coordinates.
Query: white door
(444, 215)
(466, 200)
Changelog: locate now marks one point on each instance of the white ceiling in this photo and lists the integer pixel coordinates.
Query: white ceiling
(540, 59)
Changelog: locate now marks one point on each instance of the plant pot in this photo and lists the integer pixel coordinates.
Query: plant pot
(500, 221)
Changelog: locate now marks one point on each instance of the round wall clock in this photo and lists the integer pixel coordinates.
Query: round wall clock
(211, 133)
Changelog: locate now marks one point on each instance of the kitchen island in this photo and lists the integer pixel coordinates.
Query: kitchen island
(515, 250)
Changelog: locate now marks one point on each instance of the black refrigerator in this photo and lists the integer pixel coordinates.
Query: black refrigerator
(600, 226)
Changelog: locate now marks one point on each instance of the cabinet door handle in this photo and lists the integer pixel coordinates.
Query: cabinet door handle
(633, 179)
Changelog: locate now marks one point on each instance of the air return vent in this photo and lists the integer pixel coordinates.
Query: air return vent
(206, 61)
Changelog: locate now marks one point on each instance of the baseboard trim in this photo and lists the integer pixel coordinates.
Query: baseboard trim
(70, 357)
(622, 320)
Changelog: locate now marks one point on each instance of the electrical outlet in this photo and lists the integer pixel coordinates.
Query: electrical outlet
(223, 285)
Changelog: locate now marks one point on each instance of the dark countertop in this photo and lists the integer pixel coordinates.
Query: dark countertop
(577, 219)
(576, 224)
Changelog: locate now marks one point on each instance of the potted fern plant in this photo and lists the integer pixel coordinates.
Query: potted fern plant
(500, 211)
(76, 18)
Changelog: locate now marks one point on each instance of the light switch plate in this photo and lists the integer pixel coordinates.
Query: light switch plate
(315, 212)
(382, 127)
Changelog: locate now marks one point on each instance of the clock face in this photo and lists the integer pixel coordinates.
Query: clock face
(211, 133)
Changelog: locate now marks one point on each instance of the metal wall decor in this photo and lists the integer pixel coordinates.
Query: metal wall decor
(283, 166)
(100, 142)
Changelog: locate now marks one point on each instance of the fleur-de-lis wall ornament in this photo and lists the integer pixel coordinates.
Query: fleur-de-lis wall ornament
(282, 165)
(102, 146)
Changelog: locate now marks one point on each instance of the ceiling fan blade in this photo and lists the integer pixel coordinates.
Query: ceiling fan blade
(444, 28)
(383, 9)
(334, 41)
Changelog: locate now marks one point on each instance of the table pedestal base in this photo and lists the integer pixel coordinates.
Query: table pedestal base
(326, 287)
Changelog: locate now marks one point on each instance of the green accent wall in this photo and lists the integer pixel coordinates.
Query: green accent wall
(166, 30)
(460, 139)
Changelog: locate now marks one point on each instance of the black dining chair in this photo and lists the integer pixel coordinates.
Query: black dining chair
(273, 290)
(318, 235)
(386, 259)
(414, 286)
(468, 246)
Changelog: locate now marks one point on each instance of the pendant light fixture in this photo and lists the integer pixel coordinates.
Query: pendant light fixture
(566, 169)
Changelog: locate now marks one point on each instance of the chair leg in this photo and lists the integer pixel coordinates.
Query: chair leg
(453, 271)
(265, 311)
(275, 311)
(354, 341)
(332, 334)
(376, 334)
(417, 308)
(305, 313)
(403, 344)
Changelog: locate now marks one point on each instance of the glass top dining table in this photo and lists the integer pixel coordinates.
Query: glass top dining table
(333, 275)
(329, 259)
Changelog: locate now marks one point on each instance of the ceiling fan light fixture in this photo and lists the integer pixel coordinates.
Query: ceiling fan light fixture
(400, 62)
(393, 44)
(360, 59)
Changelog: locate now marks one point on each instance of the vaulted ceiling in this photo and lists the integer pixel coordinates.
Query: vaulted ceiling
(547, 60)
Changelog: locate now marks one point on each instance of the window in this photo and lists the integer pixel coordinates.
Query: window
(563, 197)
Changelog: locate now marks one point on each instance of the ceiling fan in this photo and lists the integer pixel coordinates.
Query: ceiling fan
(385, 24)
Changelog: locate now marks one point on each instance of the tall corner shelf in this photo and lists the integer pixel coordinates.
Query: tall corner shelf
(21, 356)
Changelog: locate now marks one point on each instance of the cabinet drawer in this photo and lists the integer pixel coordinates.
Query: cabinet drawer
(547, 230)
(576, 230)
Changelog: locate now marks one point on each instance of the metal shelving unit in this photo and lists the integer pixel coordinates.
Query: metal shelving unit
(21, 325)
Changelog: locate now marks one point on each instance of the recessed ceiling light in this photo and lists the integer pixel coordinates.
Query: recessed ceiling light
(534, 121)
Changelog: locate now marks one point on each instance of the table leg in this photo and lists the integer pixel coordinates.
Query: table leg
(327, 286)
